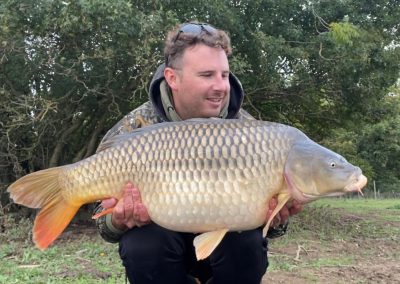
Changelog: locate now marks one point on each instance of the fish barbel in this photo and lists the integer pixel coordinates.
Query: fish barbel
(204, 176)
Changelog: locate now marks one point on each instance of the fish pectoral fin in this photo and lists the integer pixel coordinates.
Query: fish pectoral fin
(103, 213)
(282, 199)
(206, 243)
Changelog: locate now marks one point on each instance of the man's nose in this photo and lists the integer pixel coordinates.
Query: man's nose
(221, 83)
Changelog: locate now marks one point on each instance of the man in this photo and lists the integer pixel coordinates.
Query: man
(194, 82)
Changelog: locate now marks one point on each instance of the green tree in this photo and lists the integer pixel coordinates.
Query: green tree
(380, 145)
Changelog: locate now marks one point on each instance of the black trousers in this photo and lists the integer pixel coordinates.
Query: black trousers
(153, 254)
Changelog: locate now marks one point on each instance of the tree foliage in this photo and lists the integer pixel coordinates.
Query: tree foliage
(70, 69)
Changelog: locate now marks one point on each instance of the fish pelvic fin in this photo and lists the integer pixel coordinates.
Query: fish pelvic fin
(282, 199)
(103, 213)
(42, 190)
(206, 243)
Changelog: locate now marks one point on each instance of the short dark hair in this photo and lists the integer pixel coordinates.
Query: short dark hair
(186, 35)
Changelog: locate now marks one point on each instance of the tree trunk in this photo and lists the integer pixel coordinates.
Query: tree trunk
(55, 157)
(93, 142)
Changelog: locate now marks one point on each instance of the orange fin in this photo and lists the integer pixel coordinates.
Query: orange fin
(51, 221)
(207, 242)
(282, 199)
(102, 213)
(43, 190)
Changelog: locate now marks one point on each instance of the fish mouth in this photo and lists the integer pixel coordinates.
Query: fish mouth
(357, 185)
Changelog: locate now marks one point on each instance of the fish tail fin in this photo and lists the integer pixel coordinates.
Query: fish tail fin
(43, 190)
(51, 221)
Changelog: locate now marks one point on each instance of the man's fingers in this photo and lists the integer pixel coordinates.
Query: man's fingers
(271, 206)
(128, 202)
(296, 208)
(119, 212)
(135, 193)
(273, 203)
(143, 215)
(284, 214)
(130, 210)
(109, 203)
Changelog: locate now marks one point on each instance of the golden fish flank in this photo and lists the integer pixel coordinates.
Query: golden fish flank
(194, 176)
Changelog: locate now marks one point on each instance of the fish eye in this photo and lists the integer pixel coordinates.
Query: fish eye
(333, 165)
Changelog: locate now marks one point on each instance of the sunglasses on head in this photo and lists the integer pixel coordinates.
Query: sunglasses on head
(196, 29)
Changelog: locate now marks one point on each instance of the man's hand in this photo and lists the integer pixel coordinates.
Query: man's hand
(129, 211)
(287, 210)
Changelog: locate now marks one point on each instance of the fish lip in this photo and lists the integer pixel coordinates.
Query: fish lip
(357, 186)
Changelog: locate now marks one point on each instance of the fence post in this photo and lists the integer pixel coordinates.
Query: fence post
(374, 189)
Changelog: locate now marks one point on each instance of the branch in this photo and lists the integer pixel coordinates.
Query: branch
(55, 157)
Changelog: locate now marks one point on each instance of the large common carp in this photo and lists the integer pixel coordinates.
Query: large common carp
(205, 176)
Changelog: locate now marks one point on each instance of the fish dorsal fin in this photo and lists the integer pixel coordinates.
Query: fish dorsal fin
(282, 199)
(207, 242)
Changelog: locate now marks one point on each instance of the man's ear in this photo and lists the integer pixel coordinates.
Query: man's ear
(171, 77)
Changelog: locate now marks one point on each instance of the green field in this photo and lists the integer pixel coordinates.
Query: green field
(361, 205)
(328, 234)
(340, 241)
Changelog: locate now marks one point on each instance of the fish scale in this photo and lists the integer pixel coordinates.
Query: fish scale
(202, 175)
(204, 172)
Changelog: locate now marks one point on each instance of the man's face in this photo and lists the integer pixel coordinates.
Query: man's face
(201, 85)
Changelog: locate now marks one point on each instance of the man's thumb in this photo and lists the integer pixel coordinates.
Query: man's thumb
(109, 203)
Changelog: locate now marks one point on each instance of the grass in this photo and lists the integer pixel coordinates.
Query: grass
(326, 224)
(63, 263)
(76, 258)
(362, 206)
(84, 257)
(348, 218)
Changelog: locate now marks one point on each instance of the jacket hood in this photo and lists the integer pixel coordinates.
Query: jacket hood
(235, 101)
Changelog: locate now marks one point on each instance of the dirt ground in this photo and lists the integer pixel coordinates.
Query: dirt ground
(339, 261)
(362, 260)
(369, 261)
